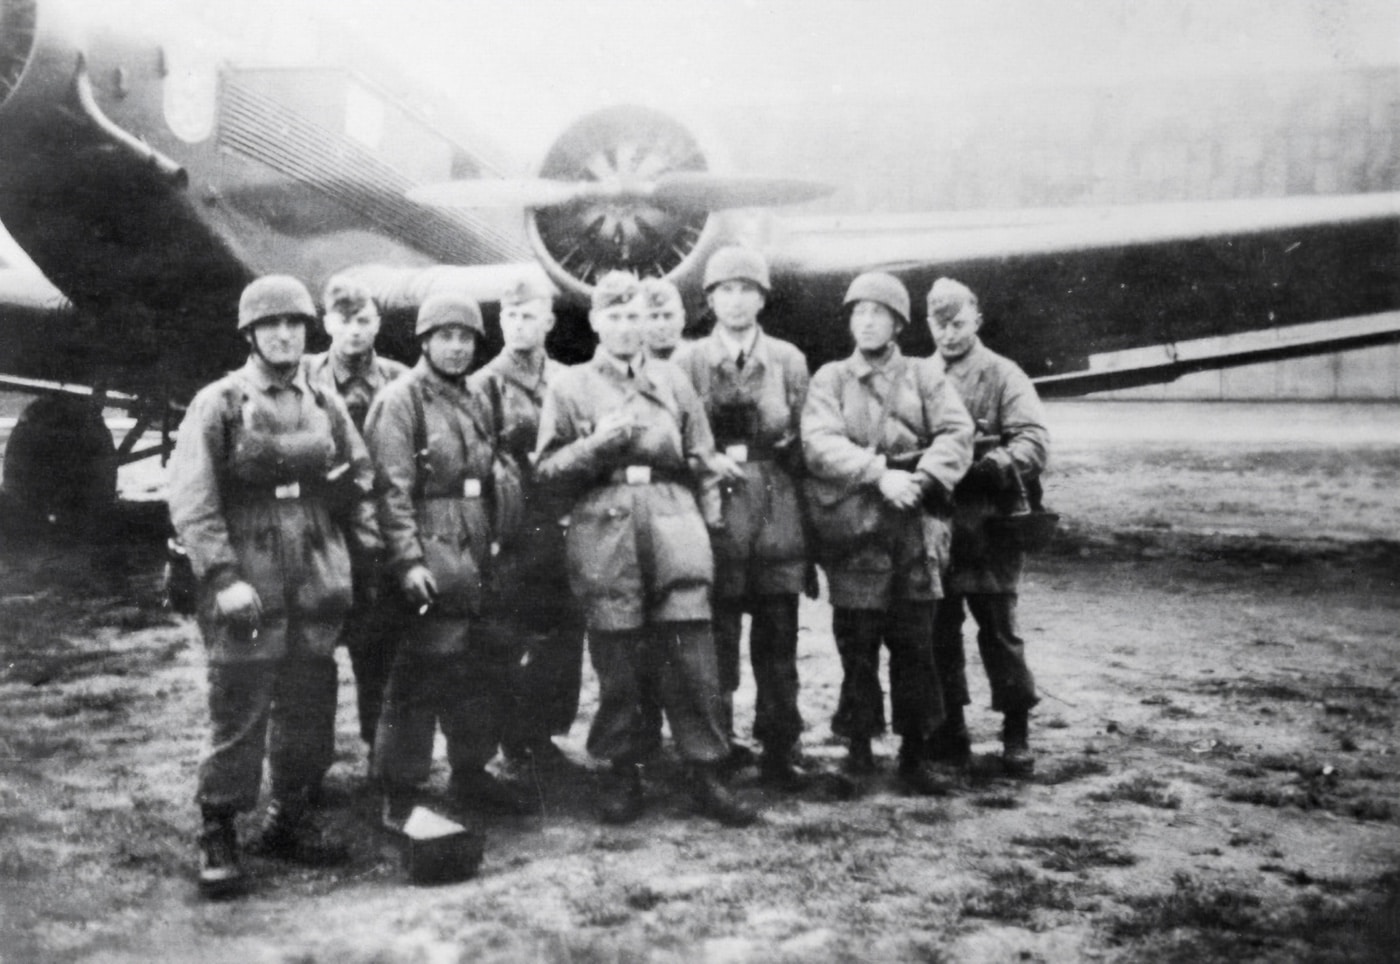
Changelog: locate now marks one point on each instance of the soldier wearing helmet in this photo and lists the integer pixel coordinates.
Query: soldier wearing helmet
(352, 370)
(545, 693)
(1011, 451)
(249, 495)
(446, 489)
(753, 386)
(886, 439)
(625, 440)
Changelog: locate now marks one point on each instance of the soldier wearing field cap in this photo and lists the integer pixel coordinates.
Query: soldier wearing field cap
(753, 386)
(443, 491)
(625, 439)
(260, 456)
(1012, 445)
(886, 439)
(665, 317)
(546, 689)
(353, 370)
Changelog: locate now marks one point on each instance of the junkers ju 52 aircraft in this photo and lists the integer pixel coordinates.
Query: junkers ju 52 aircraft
(150, 177)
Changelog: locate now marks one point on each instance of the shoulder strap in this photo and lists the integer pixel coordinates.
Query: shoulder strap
(420, 442)
(886, 406)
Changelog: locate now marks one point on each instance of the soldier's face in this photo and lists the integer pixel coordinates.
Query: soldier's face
(664, 326)
(280, 339)
(954, 336)
(352, 336)
(873, 326)
(451, 349)
(619, 328)
(525, 325)
(736, 304)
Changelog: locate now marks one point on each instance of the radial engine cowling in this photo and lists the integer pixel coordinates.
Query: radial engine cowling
(649, 236)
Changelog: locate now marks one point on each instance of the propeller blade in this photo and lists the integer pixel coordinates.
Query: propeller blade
(714, 192)
(500, 193)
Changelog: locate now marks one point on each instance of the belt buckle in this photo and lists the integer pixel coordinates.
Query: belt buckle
(471, 489)
(638, 474)
(739, 453)
(292, 490)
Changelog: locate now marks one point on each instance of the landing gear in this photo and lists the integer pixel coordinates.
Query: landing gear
(60, 463)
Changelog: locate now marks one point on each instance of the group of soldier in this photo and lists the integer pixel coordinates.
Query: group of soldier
(462, 532)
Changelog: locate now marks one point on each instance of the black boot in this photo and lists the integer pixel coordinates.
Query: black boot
(399, 802)
(778, 769)
(916, 773)
(220, 874)
(1016, 757)
(860, 760)
(713, 799)
(950, 743)
(288, 833)
(624, 798)
(484, 793)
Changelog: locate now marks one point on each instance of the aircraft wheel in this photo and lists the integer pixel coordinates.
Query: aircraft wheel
(60, 463)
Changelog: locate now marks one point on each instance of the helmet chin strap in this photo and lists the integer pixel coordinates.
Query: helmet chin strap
(282, 370)
(445, 376)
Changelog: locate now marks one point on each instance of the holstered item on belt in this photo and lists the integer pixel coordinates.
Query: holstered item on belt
(1024, 524)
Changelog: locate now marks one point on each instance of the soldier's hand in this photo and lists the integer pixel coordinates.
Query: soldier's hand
(419, 586)
(616, 427)
(238, 603)
(900, 489)
(811, 585)
(728, 469)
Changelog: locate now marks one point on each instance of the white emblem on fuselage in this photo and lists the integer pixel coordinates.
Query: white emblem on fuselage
(191, 91)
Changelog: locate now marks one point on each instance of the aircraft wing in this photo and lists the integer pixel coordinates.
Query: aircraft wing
(1088, 299)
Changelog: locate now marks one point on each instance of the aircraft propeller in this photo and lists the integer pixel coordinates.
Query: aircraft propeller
(683, 190)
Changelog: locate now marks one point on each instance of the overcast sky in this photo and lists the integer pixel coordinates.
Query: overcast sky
(524, 68)
(545, 62)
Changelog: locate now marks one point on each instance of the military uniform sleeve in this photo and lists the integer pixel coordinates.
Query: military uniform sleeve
(698, 443)
(364, 525)
(389, 434)
(567, 458)
(798, 382)
(830, 453)
(950, 450)
(1025, 437)
(687, 359)
(196, 504)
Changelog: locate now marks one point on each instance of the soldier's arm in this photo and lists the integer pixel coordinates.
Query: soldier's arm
(389, 432)
(196, 504)
(698, 443)
(364, 524)
(1025, 437)
(829, 452)
(950, 452)
(567, 457)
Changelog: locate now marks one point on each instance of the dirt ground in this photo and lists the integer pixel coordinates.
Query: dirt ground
(1217, 637)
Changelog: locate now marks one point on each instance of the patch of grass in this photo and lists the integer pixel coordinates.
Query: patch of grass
(1218, 921)
(1014, 893)
(996, 801)
(1075, 768)
(642, 897)
(617, 844)
(1145, 790)
(1075, 854)
(1191, 904)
